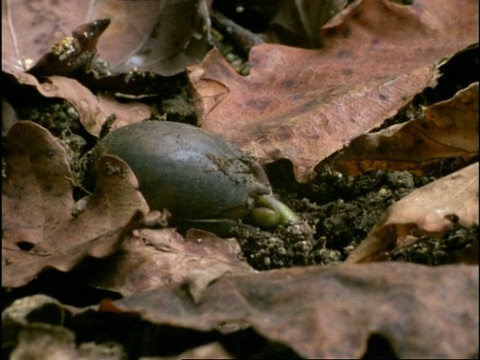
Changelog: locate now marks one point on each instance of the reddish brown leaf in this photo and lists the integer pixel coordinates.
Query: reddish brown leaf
(37, 173)
(330, 312)
(151, 258)
(304, 105)
(30, 29)
(448, 129)
(161, 36)
(93, 110)
(72, 53)
(39, 230)
(426, 210)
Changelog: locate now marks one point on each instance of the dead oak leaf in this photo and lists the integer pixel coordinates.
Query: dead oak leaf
(72, 54)
(448, 129)
(160, 36)
(33, 328)
(39, 230)
(150, 258)
(428, 209)
(92, 110)
(304, 105)
(331, 312)
(29, 30)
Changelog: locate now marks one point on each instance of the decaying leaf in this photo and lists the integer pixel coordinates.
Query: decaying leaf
(330, 312)
(429, 209)
(39, 230)
(151, 258)
(30, 29)
(38, 186)
(160, 36)
(304, 105)
(72, 53)
(33, 328)
(448, 129)
(93, 110)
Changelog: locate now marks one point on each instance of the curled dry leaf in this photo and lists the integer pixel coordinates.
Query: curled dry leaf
(448, 129)
(93, 110)
(39, 230)
(72, 53)
(304, 105)
(160, 36)
(151, 258)
(29, 30)
(37, 173)
(428, 209)
(330, 312)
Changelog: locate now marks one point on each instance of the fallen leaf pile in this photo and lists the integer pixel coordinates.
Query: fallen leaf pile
(310, 310)
(337, 85)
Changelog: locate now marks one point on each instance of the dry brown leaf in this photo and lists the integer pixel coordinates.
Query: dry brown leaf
(428, 209)
(161, 36)
(93, 110)
(304, 105)
(72, 54)
(330, 312)
(151, 258)
(39, 230)
(448, 129)
(37, 175)
(33, 328)
(30, 29)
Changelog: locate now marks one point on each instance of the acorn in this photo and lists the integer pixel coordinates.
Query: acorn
(199, 177)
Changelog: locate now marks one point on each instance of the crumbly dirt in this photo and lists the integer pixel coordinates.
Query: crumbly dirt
(337, 212)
